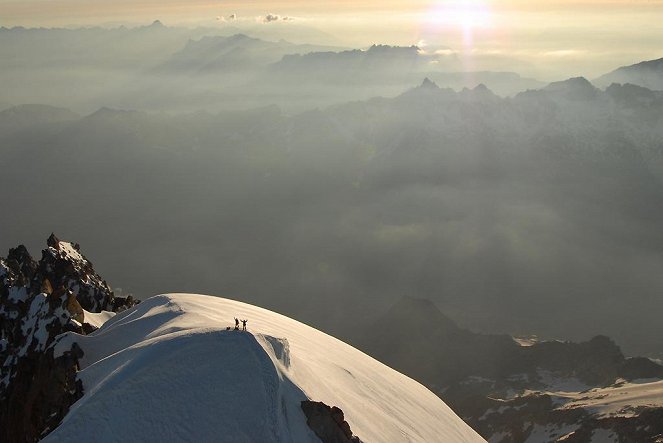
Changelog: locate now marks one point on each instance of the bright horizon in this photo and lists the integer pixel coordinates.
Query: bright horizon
(548, 40)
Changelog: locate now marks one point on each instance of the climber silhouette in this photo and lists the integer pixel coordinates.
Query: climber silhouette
(244, 325)
(236, 324)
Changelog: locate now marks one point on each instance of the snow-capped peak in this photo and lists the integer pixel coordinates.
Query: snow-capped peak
(174, 368)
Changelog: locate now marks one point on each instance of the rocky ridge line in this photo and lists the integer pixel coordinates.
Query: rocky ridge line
(38, 302)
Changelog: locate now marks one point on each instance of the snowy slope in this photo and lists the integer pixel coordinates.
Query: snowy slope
(169, 370)
(622, 400)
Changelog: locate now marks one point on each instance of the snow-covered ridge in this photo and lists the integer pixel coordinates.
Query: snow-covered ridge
(169, 369)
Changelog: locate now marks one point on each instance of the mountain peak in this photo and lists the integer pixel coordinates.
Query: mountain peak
(576, 88)
(418, 313)
(648, 74)
(648, 64)
(481, 88)
(254, 381)
(429, 84)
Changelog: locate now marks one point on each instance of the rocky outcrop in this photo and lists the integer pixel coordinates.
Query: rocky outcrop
(40, 394)
(38, 302)
(328, 423)
(63, 265)
(508, 391)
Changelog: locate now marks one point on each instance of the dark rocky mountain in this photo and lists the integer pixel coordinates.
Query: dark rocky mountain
(510, 390)
(648, 74)
(38, 302)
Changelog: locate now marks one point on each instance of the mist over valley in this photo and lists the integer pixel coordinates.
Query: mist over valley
(493, 235)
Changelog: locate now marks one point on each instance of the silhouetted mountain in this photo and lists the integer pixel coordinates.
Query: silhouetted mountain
(416, 338)
(382, 64)
(648, 74)
(165, 68)
(497, 383)
(578, 88)
(428, 84)
(239, 52)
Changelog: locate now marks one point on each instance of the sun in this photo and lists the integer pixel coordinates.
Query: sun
(465, 14)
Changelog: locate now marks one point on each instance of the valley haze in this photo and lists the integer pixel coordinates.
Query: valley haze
(332, 162)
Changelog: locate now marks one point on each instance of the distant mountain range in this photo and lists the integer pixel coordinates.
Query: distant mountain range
(175, 69)
(237, 53)
(648, 74)
(432, 175)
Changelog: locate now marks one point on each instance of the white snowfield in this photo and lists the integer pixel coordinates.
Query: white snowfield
(168, 370)
(622, 400)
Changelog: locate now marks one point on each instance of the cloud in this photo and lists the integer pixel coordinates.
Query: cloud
(275, 18)
(230, 18)
(563, 53)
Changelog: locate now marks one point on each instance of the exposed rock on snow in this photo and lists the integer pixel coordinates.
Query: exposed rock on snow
(328, 423)
(63, 265)
(38, 302)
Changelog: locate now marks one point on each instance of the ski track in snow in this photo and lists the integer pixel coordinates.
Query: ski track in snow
(168, 370)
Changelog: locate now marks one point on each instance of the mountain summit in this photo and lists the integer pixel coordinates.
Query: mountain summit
(175, 368)
(648, 74)
(428, 84)
(577, 88)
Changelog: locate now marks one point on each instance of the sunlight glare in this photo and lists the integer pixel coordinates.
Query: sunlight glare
(466, 14)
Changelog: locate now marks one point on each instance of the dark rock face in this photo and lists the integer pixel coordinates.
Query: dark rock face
(38, 302)
(497, 386)
(328, 423)
(64, 266)
(40, 394)
(640, 367)
(415, 338)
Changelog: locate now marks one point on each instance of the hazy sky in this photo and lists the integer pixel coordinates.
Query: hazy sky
(590, 36)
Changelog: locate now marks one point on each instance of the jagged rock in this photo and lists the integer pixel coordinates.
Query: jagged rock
(328, 423)
(640, 367)
(36, 388)
(498, 385)
(38, 302)
(63, 265)
(53, 242)
(122, 303)
(40, 395)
